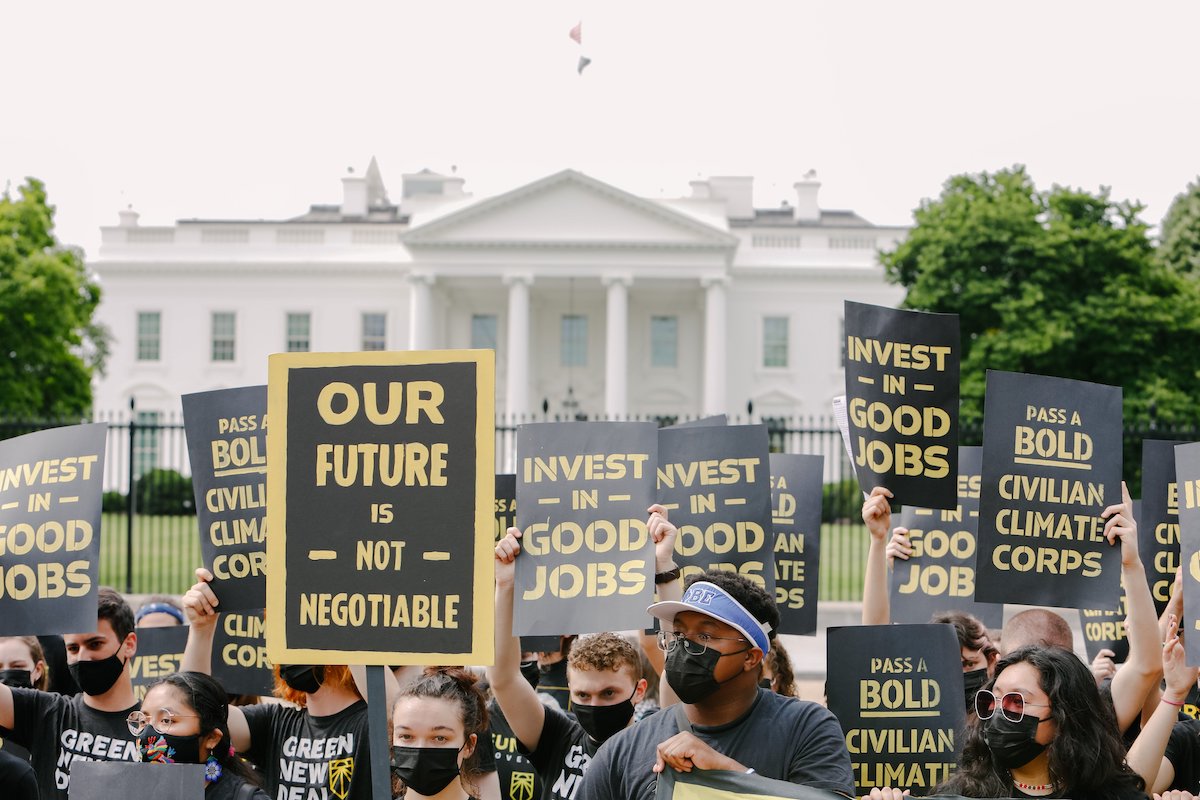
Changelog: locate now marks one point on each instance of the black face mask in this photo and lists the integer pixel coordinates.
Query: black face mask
(764, 683)
(973, 681)
(96, 677)
(1012, 743)
(692, 678)
(163, 748)
(603, 722)
(302, 678)
(425, 770)
(531, 673)
(17, 678)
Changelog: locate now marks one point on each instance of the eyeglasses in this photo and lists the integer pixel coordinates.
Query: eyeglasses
(1012, 705)
(693, 643)
(163, 722)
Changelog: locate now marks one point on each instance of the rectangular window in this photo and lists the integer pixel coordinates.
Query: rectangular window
(224, 335)
(483, 331)
(664, 341)
(145, 442)
(299, 330)
(149, 335)
(775, 342)
(374, 331)
(574, 340)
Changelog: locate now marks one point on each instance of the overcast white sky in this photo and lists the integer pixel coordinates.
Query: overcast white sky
(254, 108)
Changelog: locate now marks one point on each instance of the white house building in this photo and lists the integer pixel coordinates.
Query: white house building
(597, 301)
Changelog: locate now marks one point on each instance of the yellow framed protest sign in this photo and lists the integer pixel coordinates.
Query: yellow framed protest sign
(380, 507)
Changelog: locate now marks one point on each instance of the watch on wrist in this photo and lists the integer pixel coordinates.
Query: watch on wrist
(668, 576)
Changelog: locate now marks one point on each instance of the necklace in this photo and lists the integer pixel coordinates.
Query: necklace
(1034, 787)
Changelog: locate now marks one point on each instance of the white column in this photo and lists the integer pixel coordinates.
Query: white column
(420, 311)
(516, 400)
(714, 345)
(616, 346)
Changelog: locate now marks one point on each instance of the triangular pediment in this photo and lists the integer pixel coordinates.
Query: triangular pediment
(567, 209)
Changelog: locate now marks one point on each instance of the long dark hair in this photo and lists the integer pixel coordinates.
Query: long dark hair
(208, 699)
(1087, 756)
(459, 687)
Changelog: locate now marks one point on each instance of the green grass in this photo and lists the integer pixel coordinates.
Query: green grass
(843, 560)
(166, 550)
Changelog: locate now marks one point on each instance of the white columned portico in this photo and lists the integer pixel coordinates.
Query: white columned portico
(714, 344)
(516, 401)
(616, 346)
(420, 311)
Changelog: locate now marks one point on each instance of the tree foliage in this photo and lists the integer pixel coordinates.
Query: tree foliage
(49, 344)
(1063, 283)
(1180, 247)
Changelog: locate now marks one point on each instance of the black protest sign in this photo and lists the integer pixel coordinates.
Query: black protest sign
(940, 574)
(796, 527)
(1187, 474)
(720, 784)
(50, 489)
(898, 694)
(1158, 524)
(227, 446)
(1051, 465)
(380, 507)
(239, 655)
(902, 402)
(104, 780)
(586, 557)
(1104, 629)
(506, 504)
(159, 654)
(716, 486)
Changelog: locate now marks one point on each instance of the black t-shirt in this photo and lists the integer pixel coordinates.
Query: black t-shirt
(226, 788)
(1183, 751)
(302, 757)
(58, 730)
(518, 778)
(17, 779)
(778, 737)
(563, 753)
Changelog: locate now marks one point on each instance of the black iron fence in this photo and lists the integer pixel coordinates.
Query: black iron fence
(150, 542)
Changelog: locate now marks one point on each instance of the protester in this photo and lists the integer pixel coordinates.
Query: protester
(715, 639)
(1037, 627)
(22, 664)
(603, 673)
(183, 720)
(56, 729)
(320, 741)
(552, 672)
(777, 672)
(160, 611)
(18, 781)
(1040, 730)
(439, 725)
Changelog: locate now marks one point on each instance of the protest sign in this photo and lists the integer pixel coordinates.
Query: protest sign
(1187, 474)
(582, 493)
(380, 507)
(720, 784)
(239, 655)
(715, 483)
(506, 504)
(898, 694)
(227, 447)
(1104, 629)
(1158, 524)
(159, 654)
(902, 402)
(940, 574)
(104, 780)
(1051, 465)
(796, 528)
(50, 490)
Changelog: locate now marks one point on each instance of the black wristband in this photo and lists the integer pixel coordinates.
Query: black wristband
(668, 576)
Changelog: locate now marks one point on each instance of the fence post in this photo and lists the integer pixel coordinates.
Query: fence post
(130, 502)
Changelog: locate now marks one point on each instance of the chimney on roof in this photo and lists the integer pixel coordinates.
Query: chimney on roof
(807, 209)
(354, 195)
(738, 193)
(128, 217)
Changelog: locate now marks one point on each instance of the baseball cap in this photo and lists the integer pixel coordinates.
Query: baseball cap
(713, 601)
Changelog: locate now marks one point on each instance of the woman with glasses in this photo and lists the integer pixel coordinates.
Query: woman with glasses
(183, 721)
(1041, 730)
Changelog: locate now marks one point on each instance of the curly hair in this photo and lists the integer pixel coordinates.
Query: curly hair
(459, 686)
(1087, 755)
(605, 652)
(753, 597)
(335, 675)
(972, 635)
(783, 678)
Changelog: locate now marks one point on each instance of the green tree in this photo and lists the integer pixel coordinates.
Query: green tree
(1062, 283)
(1180, 240)
(49, 343)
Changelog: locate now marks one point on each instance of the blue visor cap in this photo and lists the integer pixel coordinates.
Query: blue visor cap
(713, 601)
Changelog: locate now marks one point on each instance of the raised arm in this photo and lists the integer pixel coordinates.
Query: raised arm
(200, 606)
(518, 700)
(1146, 755)
(877, 514)
(1143, 667)
(663, 533)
